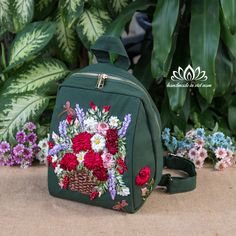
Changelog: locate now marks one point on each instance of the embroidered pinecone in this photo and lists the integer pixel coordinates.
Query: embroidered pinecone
(81, 182)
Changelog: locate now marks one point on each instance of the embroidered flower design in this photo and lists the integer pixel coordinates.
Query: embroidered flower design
(143, 176)
(90, 149)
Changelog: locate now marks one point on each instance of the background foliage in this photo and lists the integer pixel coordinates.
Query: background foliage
(42, 41)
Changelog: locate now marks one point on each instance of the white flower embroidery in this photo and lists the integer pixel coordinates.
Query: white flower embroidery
(113, 121)
(124, 191)
(98, 142)
(90, 125)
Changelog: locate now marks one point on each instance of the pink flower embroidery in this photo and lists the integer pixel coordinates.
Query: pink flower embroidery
(102, 128)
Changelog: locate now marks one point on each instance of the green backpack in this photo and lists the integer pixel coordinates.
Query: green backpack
(105, 146)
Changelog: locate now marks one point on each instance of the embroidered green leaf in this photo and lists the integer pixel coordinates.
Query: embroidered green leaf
(67, 41)
(92, 24)
(118, 5)
(163, 31)
(30, 41)
(23, 11)
(72, 9)
(35, 76)
(18, 109)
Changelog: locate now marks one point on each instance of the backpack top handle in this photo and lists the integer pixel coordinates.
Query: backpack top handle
(106, 45)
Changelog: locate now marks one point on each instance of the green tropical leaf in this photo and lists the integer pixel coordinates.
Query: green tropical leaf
(22, 13)
(163, 30)
(204, 40)
(4, 14)
(35, 76)
(118, 5)
(42, 8)
(117, 26)
(30, 41)
(91, 25)
(224, 70)
(232, 118)
(229, 11)
(18, 109)
(67, 41)
(71, 9)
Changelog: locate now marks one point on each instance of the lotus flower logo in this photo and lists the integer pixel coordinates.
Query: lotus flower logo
(189, 74)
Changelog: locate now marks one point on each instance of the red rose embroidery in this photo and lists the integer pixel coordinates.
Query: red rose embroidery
(69, 162)
(93, 195)
(143, 176)
(81, 142)
(121, 166)
(54, 165)
(50, 144)
(92, 159)
(106, 108)
(65, 182)
(69, 118)
(49, 159)
(112, 141)
(100, 173)
(93, 106)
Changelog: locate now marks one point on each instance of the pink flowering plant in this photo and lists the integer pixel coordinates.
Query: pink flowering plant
(25, 149)
(199, 146)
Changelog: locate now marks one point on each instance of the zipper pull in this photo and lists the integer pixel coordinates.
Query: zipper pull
(101, 80)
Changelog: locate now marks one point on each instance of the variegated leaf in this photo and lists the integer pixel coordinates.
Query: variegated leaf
(18, 109)
(67, 41)
(91, 25)
(30, 41)
(4, 14)
(23, 11)
(35, 76)
(71, 9)
(118, 5)
(42, 8)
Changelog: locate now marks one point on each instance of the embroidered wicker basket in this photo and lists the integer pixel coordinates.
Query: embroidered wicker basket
(82, 182)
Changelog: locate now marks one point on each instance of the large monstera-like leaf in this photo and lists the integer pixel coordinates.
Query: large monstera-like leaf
(67, 41)
(71, 9)
(91, 25)
(30, 41)
(35, 76)
(18, 109)
(23, 11)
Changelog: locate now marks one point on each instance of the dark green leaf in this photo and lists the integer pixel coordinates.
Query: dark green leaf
(229, 11)
(163, 29)
(204, 40)
(117, 26)
(232, 118)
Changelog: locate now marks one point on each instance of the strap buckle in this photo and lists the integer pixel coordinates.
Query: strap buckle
(167, 179)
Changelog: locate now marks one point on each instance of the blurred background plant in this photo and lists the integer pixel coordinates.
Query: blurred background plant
(42, 41)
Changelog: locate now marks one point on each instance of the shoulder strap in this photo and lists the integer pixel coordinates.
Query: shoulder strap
(179, 184)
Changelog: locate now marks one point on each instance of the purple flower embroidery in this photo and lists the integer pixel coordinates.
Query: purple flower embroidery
(62, 128)
(21, 137)
(27, 153)
(80, 115)
(112, 184)
(125, 126)
(57, 148)
(4, 147)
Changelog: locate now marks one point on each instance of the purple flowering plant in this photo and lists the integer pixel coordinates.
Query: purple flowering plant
(24, 151)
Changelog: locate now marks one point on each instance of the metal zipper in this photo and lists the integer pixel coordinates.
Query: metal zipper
(101, 78)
